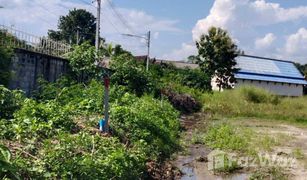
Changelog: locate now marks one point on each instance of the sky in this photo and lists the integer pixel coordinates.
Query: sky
(269, 28)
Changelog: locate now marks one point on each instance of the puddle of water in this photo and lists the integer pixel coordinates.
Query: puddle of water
(193, 170)
(186, 167)
(188, 173)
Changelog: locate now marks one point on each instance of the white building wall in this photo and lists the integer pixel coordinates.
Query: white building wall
(283, 89)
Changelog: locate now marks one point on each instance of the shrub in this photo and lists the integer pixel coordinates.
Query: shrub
(256, 95)
(129, 73)
(10, 101)
(41, 120)
(48, 90)
(147, 119)
(84, 156)
(82, 61)
(5, 60)
(82, 98)
(7, 169)
(195, 78)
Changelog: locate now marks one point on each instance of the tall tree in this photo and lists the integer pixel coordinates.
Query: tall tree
(75, 28)
(302, 68)
(216, 56)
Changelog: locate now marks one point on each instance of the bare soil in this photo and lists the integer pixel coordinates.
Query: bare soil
(193, 162)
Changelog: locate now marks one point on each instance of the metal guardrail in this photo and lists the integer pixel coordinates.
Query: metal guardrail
(22, 40)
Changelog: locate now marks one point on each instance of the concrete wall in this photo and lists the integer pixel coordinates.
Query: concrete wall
(28, 66)
(283, 89)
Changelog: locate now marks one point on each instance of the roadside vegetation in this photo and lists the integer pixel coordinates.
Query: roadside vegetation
(252, 122)
(54, 133)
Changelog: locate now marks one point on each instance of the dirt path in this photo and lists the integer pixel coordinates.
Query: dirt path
(193, 162)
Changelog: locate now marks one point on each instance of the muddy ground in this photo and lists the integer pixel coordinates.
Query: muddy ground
(193, 161)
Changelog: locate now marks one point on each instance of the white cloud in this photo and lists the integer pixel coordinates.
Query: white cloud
(265, 42)
(156, 35)
(142, 22)
(296, 46)
(241, 16)
(183, 53)
(37, 16)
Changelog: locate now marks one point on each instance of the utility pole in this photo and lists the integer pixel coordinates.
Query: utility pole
(106, 77)
(147, 38)
(98, 25)
(78, 36)
(148, 50)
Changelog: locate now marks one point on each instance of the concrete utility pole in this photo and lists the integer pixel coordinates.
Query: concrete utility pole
(147, 38)
(148, 50)
(98, 25)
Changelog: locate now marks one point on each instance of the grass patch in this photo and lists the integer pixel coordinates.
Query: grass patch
(241, 139)
(258, 103)
(197, 137)
(269, 173)
(298, 153)
(226, 137)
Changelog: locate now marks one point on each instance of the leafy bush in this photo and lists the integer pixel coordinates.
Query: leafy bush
(5, 60)
(84, 156)
(82, 61)
(83, 98)
(147, 119)
(129, 73)
(48, 91)
(7, 169)
(195, 78)
(256, 95)
(41, 120)
(10, 101)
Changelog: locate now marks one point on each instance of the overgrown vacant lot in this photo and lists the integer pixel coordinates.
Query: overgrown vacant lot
(252, 102)
(247, 122)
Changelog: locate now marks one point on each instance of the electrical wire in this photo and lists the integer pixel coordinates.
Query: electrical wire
(104, 15)
(120, 17)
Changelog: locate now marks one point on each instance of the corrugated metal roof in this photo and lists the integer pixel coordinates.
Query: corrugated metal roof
(256, 68)
(270, 78)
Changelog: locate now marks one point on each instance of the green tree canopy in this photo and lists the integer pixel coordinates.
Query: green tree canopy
(302, 68)
(216, 56)
(82, 61)
(5, 60)
(75, 28)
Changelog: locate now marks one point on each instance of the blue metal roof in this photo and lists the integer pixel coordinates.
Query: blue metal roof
(264, 69)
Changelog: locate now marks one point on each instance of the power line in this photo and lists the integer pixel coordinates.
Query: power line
(104, 15)
(41, 6)
(120, 17)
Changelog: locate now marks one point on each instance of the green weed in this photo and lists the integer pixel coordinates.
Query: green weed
(298, 154)
(253, 102)
(226, 137)
(270, 173)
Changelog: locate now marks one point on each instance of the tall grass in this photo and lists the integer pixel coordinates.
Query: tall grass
(254, 102)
